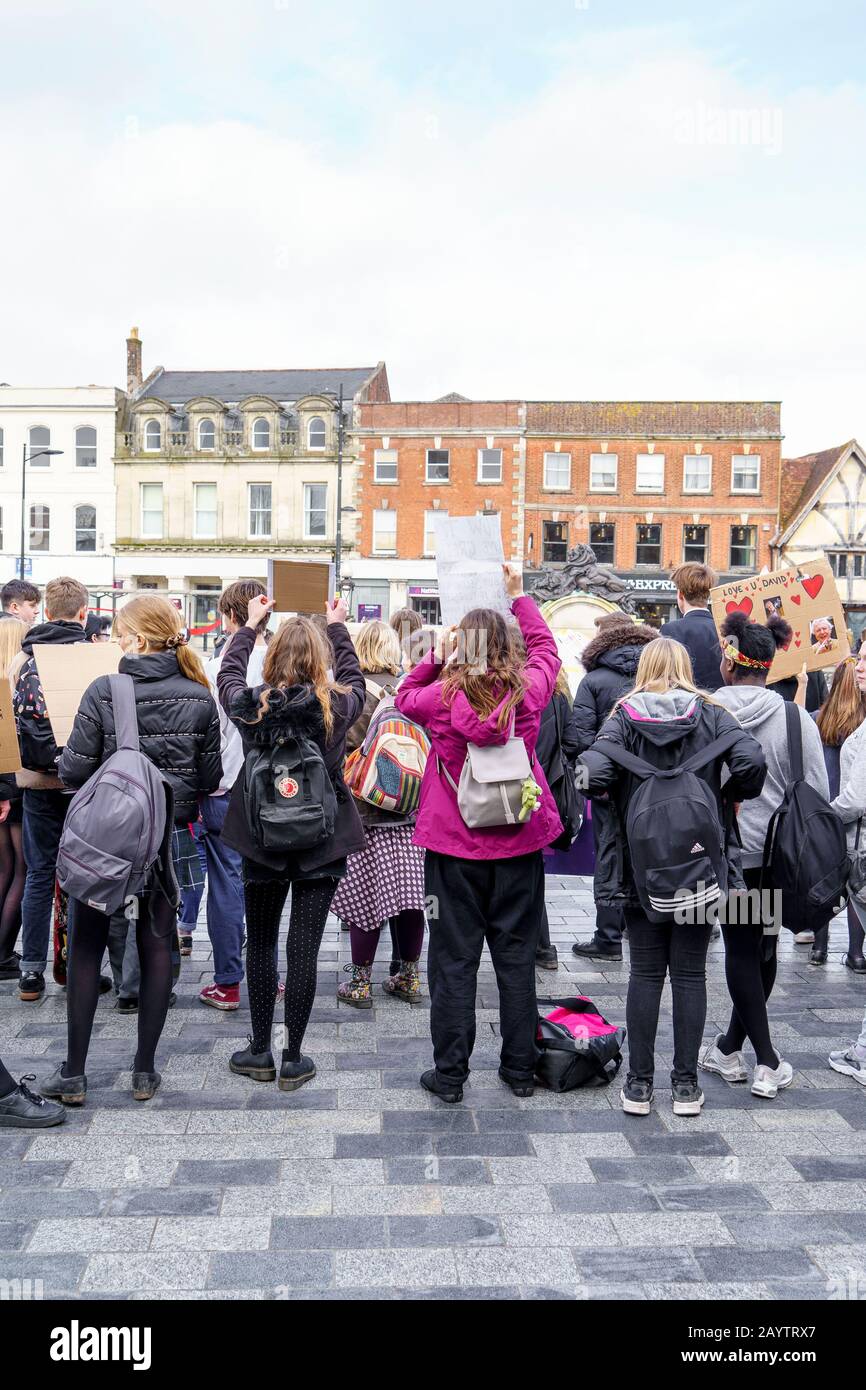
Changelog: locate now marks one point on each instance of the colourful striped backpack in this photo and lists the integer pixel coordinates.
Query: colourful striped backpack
(386, 771)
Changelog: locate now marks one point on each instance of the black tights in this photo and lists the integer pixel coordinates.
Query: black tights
(750, 970)
(311, 901)
(855, 935)
(13, 872)
(88, 938)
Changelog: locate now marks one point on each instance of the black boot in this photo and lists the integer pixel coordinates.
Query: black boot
(145, 1084)
(818, 954)
(443, 1089)
(293, 1075)
(855, 963)
(591, 950)
(523, 1089)
(546, 958)
(70, 1089)
(259, 1066)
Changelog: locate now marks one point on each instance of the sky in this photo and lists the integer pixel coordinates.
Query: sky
(580, 199)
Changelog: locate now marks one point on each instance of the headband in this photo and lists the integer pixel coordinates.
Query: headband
(734, 654)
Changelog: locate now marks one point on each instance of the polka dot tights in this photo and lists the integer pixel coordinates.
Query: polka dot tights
(311, 900)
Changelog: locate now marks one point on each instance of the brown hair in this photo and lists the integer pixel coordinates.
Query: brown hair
(405, 621)
(485, 666)
(298, 655)
(64, 598)
(694, 582)
(609, 620)
(844, 709)
(234, 602)
(157, 621)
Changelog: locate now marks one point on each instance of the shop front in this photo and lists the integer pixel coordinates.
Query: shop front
(423, 599)
(655, 597)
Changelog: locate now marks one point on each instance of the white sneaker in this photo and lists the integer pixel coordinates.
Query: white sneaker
(730, 1067)
(768, 1081)
(849, 1064)
(804, 938)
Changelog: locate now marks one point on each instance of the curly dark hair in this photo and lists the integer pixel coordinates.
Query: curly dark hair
(757, 641)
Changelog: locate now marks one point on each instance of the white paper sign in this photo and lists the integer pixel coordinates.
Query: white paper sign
(469, 559)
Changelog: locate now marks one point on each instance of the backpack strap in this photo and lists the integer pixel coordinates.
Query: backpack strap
(125, 715)
(701, 758)
(630, 761)
(795, 741)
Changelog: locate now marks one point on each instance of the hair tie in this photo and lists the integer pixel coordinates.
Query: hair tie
(180, 639)
(734, 654)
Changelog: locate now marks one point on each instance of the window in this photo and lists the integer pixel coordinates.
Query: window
(557, 471)
(743, 546)
(490, 465)
(695, 543)
(602, 537)
(40, 527)
(260, 509)
(698, 473)
(384, 531)
(554, 541)
(261, 433)
(152, 437)
(438, 466)
(315, 510)
(650, 473)
(842, 563)
(316, 433)
(206, 434)
(151, 510)
(85, 528)
(746, 473)
(430, 531)
(603, 472)
(39, 438)
(205, 521)
(85, 447)
(385, 466)
(649, 545)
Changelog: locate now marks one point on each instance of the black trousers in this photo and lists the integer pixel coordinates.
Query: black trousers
(476, 900)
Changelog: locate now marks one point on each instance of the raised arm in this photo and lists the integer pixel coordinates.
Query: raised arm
(346, 669)
(419, 695)
(232, 675)
(542, 656)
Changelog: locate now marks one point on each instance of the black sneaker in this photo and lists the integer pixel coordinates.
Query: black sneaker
(127, 1006)
(636, 1096)
(259, 1066)
(524, 1089)
(687, 1098)
(855, 963)
(444, 1090)
(10, 969)
(70, 1089)
(818, 955)
(31, 986)
(293, 1075)
(546, 958)
(21, 1109)
(591, 950)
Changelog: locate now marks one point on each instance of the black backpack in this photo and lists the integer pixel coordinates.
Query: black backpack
(562, 780)
(288, 794)
(677, 841)
(805, 851)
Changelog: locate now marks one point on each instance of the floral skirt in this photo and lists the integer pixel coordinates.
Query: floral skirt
(385, 878)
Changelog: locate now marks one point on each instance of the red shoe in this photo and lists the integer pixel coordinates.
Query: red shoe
(222, 996)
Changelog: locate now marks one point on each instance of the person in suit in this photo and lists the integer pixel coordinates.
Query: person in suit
(696, 629)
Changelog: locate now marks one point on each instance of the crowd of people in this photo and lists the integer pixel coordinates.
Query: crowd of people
(413, 779)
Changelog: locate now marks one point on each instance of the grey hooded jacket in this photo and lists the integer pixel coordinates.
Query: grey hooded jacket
(762, 713)
(851, 801)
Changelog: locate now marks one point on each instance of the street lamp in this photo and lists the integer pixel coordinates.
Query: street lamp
(35, 453)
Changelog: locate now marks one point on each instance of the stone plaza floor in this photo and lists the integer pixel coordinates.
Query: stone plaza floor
(362, 1186)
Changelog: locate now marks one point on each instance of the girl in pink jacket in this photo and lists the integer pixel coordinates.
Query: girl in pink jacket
(482, 884)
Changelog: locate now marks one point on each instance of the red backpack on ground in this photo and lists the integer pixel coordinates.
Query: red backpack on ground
(577, 1046)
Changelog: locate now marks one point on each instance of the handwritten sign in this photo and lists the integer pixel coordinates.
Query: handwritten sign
(806, 596)
(469, 565)
(9, 757)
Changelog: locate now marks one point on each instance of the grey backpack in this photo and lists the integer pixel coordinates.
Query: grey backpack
(491, 782)
(118, 821)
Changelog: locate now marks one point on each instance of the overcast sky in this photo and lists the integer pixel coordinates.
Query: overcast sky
(602, 200)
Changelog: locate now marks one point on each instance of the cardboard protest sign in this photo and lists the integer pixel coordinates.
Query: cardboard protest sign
(300, 586)
(65, 671)
(469, 560)
(806, 596)
(10, 760)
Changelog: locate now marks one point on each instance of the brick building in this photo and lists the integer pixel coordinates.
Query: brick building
(647, 484)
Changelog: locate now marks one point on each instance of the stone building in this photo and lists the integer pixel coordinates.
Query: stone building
(217, 472)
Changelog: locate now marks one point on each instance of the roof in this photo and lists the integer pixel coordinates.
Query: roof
(660, 419)
(803, 476)
(452, 398)
(290, 385)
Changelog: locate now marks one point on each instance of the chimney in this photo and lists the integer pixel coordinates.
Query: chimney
(133, 362)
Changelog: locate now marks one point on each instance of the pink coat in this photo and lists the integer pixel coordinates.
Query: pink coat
(440, 826)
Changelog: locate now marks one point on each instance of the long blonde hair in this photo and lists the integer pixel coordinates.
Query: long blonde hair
(298, 655)
(378, 648)
(11, 658)
(158, 623)
(665, 665)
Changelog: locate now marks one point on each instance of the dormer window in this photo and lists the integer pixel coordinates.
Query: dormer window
(316, 435)
(261, 433)
(152, 437)
(206, 435)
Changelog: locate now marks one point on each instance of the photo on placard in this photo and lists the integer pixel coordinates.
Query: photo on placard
(822, 632)
(773, 606)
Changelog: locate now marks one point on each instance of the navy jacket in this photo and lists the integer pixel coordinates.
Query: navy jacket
(697, 632)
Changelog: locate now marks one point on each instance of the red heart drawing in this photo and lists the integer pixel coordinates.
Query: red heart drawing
(744, 606)
(814, 585)
(796, 598)
(796, 642)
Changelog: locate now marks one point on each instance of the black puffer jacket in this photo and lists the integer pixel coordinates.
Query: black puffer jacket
(178, 726)
(39, 752)
(294, 708)
(610, 661)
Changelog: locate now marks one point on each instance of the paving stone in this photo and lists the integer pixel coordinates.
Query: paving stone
(398, 1268)
(496, 1199)
(558, 1229)
(304, 1200)
(726, 1262)
(711, 1293)
(164, 1201)
(225, 1173)
(49, 1275)
(442, 1231)
(641, 1170)
(471, 1171)
(538, 1266)
(673, 1228)
(777, 1228)
(598, 1197)
(91, 1233)
(818, 1196)
(328, 1233)
(212, 1233)
(612, 1264)
(162, 1272)
(719, 1196)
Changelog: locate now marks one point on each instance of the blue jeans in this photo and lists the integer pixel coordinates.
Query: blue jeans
(44, 815)
(225, 894)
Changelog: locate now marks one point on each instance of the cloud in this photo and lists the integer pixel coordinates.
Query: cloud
(647, 222)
